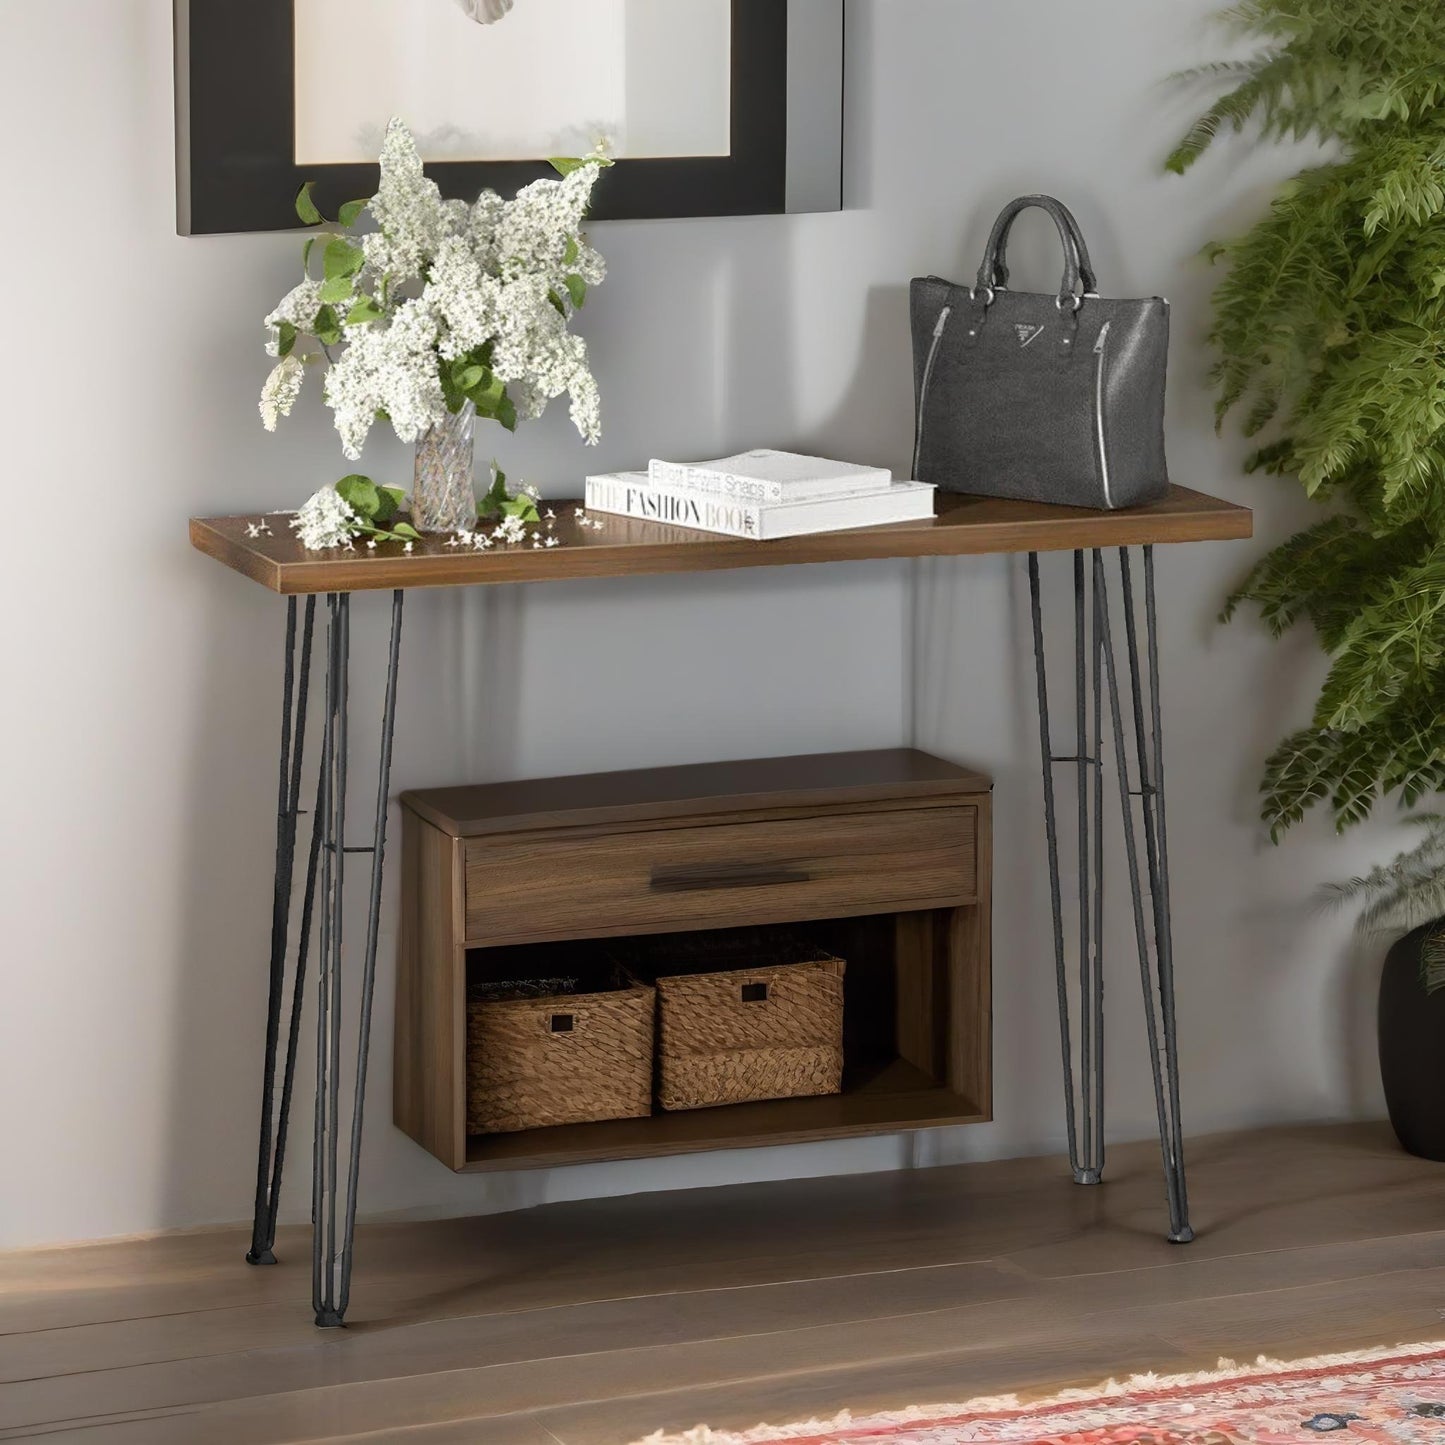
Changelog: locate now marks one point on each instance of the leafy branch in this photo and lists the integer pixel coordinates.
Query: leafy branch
(1329, 334)
(375, 506)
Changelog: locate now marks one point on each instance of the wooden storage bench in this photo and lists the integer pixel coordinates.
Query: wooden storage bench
(882, 858)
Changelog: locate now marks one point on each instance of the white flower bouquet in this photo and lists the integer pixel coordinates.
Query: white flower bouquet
(443, 308)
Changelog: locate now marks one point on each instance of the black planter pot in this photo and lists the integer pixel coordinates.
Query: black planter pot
(1412, 1048)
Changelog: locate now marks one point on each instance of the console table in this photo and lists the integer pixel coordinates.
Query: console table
(965, 526)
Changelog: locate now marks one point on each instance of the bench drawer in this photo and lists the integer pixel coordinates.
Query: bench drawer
(770, 870)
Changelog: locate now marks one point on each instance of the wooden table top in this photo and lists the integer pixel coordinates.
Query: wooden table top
(623, 547)
(692, 790)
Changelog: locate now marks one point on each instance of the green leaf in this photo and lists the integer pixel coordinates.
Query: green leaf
(452, 394)
(338, 288)
(285, 338)
(306, 207)
(577, 290)
(496, 495)
(570, 255)
(565, 165)
(361, 494)
(559, 303)
(306, 254)
(389, 502)
(364, 310)
(488, 395)
(342, 258)
(351, 210)
(405, 529)
(507, 413)
(326, 328)
(468, 377)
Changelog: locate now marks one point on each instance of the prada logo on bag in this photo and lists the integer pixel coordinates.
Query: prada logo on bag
(1027, 334)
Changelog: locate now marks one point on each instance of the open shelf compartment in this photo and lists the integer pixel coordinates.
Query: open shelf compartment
(915, 1043)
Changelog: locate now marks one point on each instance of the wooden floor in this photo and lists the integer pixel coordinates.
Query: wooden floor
(603, 1321)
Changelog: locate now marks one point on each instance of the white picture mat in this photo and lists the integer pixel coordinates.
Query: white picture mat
(550, 78)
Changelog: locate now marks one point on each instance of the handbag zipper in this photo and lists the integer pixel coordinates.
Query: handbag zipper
(927, 377)
(1099, 411)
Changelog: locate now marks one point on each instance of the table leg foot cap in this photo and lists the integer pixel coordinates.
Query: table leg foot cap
(266, 1256)
(1088, 1176)
(329, 1320)
(1181, 1236)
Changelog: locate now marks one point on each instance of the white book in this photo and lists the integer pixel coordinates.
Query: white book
(766, 475)
(634, 494)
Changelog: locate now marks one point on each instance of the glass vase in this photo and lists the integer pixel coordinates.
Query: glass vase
(443, 498)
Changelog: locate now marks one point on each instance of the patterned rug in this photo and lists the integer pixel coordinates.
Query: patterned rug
(1393, 1395)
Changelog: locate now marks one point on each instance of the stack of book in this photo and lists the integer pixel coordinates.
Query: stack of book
(762, 494)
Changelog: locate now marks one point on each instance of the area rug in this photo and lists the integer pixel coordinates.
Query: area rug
(1395, 1395)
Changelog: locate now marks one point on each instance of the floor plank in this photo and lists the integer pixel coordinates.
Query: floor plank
(605, 1320)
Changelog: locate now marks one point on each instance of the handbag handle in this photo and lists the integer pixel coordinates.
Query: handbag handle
(1079, 279)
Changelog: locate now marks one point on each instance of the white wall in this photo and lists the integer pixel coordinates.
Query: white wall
(140, 700)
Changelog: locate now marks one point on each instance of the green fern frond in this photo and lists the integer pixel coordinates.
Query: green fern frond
(1406, 892)
(1305, 769)
(1385, 649)
(1262, 82)
(1432, 962)
(1415, 766)
(1276, 459)
(1329, 327)
(1281, 583)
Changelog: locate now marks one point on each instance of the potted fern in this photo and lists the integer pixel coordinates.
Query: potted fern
(1407, 897)
(1329, 329)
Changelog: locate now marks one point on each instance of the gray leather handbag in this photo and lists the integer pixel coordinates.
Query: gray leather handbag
(1048, 398)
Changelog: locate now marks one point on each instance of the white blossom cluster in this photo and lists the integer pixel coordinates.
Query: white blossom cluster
(449, 278)
(282, 387)
(298, 308)
(326, 521)
(388, 368)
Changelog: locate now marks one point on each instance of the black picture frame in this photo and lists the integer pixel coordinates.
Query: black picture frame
(235, 121)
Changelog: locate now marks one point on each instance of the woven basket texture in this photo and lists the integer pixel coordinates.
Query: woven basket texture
(771, 1032)
(524, 1072)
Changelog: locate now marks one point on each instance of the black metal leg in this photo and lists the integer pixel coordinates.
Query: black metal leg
(373, 916)
(1159, 1008)
(1084, 1095)
(1095, 667)
(272, 1148)
(332, 1251)
(325, 872)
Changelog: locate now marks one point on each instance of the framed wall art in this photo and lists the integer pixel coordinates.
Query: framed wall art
(711, 107)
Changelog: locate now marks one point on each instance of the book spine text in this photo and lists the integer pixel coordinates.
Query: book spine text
(655, 503)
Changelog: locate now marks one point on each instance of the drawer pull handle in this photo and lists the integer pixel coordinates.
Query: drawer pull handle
(726, 875)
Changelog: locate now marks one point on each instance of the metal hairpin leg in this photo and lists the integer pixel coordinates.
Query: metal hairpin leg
(1096, 666)
(331, 1252)
(271, 1154)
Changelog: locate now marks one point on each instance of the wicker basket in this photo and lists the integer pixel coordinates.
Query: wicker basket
(769, 1028)
(568, 1058)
